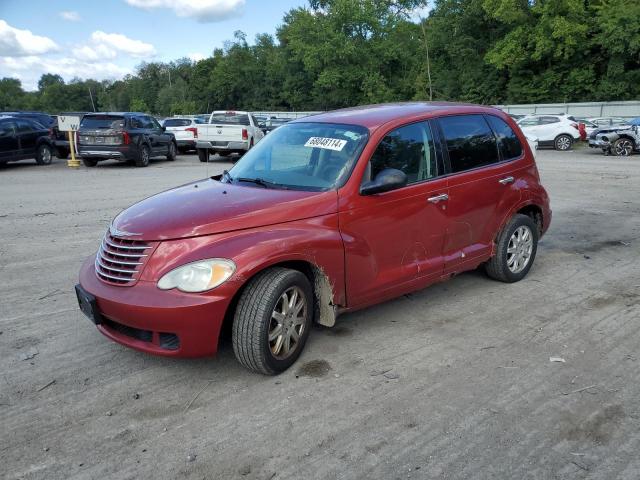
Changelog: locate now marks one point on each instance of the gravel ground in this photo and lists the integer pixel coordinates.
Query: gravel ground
(451, 382)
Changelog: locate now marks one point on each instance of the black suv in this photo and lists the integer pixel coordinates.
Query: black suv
(123, 136)
(22, 138)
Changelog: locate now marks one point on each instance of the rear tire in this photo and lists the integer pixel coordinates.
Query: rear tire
(88, 162)
(44, 154)
(272, 320)
(143, 156)
(515, 250)
(171, 154)
(563, 142)
(203, 154)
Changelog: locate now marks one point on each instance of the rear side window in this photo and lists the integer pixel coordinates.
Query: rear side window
(409, 149)
(177, 122)
(470, 142)
(25, 126)
(508, 142)
(230, 118)
(102, 122)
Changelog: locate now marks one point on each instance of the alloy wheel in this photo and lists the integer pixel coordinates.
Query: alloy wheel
(45, 155)
(563, 143)
(519, 249)
(287, 324)
(624, 148)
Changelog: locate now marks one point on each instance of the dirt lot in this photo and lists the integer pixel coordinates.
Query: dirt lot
(468, 390)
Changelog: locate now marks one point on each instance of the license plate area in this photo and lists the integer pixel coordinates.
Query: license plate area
(88, 305)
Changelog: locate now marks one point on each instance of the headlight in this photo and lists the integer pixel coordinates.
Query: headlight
(198, 276)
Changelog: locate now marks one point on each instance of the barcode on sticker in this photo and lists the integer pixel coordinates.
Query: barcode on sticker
(328, 143)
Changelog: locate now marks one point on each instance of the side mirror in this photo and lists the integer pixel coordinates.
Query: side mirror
(387, 180)
(164, 129)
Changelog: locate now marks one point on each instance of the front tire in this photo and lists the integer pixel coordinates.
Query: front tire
(203, 154)
(272, 320)
(171, 153)
(623, 147)
(563, 142)
(515, 250)
(44, 155)
(143, 156)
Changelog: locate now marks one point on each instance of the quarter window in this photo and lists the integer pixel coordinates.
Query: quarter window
(470, 142)
(409, 149)
(508, 142)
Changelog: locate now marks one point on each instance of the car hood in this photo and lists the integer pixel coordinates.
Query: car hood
(208, 206)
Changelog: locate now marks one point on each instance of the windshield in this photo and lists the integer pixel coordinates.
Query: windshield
(102, 121)
(302, 156)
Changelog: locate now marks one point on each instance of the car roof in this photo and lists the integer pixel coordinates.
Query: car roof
(374, 116)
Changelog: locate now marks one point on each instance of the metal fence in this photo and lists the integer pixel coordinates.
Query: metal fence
(583, 110)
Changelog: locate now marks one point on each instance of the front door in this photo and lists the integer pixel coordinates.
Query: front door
(393, 240)
(8, 141)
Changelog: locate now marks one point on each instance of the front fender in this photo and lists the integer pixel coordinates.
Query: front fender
(315, 241)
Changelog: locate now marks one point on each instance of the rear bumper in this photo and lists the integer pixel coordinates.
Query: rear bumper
(102, 153)
(186, 143)
(168, 323)
(215, 145)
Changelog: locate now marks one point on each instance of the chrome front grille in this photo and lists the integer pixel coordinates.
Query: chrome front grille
(120, 260)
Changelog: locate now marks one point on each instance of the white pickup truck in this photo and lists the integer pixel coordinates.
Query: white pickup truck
(227, 132)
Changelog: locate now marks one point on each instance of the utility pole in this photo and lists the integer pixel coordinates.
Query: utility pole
(91, 97)
(426, 46)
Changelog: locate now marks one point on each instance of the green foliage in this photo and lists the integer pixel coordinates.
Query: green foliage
(338, 53)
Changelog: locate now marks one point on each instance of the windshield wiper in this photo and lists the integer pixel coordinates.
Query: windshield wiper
(262, 182)
(225, 174)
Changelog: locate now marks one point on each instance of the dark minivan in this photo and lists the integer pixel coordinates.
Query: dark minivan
(123, 136)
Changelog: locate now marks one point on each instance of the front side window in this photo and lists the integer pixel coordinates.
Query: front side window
(549, 120)
(470, 142)
(528, 122)
(409, 149)
(6, 129)
(302, 156)
(508, 142)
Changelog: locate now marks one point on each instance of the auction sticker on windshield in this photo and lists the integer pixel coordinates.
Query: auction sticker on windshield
(328, 143)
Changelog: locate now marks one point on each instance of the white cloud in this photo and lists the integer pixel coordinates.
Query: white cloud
(94, 53)
(122, 43)
(29, 69)
(70, 16)
(202, 10)
(196, 56)
(17, 43)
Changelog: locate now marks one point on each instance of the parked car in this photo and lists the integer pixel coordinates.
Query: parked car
(516, 116)
(621, 142)
(353, 208)
(124, 136)
(61, 139)
(228, 132)
(609, 125)
(558, 131)
(23, 138)
(185, 130)
(273, 123)
(586, 128)
(40, 117)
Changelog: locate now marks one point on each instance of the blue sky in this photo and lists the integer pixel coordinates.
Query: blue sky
(108, 38)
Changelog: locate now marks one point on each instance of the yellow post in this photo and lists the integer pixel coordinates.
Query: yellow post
(73, 161)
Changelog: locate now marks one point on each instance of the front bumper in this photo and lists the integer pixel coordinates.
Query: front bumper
(169, 323)
(213, 145)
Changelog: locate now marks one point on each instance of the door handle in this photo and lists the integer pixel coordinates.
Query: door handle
(506, 180)
(438, 198)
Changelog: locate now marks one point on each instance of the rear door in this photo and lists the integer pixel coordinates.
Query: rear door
(394, 240)
(9, 146)
(483, 185)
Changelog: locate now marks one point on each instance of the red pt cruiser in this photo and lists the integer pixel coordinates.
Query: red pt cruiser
(326, 214)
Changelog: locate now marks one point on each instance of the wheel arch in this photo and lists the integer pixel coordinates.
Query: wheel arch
(325, 311)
